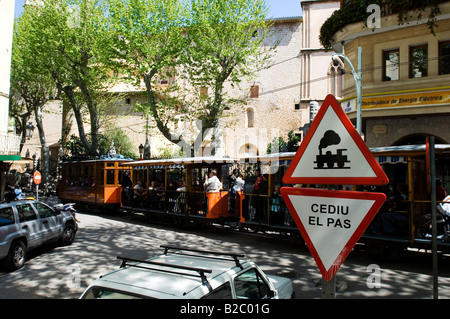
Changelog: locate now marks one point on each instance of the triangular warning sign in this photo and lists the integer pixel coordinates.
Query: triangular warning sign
(332, 152)
(331, 222)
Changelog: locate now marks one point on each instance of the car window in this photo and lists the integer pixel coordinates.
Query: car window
(222, 292)
(26, 213)
(6, 216)
(44, 211)
(250, 285)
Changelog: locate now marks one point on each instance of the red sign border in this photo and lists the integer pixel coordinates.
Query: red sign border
(381, 178)
(379, 199)
(36, 180)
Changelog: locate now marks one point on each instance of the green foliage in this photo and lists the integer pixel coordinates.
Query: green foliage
(356, 11)
(65, 39)
(122, 142)
(291, 145)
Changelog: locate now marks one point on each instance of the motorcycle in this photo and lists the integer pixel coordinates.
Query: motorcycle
(67, 208)
(442, 223)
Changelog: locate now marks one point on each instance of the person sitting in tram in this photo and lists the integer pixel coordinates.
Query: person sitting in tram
(139, 191)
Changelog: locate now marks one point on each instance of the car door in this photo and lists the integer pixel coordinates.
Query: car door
(7, 229)
(51, 223)
(250, 284)
(30, 224)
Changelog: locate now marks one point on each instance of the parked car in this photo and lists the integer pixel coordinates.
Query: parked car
(191, 274)
(27, 224)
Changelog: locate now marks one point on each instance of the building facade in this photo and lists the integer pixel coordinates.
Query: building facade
(406, 78)
(319, 76)
(9, 142)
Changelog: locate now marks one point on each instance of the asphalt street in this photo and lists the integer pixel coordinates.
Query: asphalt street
(64, 272)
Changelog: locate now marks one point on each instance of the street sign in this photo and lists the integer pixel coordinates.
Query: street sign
(331, 222)
(332, 152)
(37, 177)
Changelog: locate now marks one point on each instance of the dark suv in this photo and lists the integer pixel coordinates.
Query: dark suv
(27, 224)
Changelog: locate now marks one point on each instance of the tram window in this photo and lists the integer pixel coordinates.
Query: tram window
(110, 177)
(120, 175)
(109, 164)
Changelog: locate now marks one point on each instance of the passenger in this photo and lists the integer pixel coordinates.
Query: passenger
(212, 183)
(239, 183)
(126, 188)
(260, 204)
(139, 193)
(155, 194)
(441, 193)
(180, 205)
(397, 216)
(232, 192)
(171, 195)
(275, 206)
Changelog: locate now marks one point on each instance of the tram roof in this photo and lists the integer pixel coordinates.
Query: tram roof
(183, 161)
(103, 158)
(408, 150)
(268, 157)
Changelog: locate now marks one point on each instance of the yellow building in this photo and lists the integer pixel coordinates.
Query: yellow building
(405, 74)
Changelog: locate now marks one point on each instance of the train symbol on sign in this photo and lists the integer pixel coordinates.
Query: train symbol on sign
(331, 138)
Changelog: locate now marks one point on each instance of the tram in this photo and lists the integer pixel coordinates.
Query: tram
(91, 183)
(173, 190)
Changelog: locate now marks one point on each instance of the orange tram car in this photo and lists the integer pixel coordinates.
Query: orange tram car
(173, 191)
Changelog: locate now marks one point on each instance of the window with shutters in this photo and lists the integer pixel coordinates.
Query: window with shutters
(254, 91)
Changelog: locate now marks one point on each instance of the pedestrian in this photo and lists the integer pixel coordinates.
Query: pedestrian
(18, 192)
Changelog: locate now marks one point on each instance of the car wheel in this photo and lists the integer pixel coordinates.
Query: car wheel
(68, 235)
(16, 256)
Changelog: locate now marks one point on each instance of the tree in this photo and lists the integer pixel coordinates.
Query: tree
(31, 88)
(199, 45)
(148, 41)
(227, 47)
(278, 144)
(66, 38)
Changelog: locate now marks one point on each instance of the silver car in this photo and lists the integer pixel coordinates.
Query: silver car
(189, 274)
(27, 224)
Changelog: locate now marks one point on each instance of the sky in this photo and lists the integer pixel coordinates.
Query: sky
(279, 8)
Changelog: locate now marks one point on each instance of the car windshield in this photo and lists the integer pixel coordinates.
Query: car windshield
(106, 293)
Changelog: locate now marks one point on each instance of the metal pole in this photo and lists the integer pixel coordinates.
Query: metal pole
(329, 288)
(433, 216)
(359, 93)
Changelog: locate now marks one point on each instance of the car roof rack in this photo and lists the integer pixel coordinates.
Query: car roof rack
(234, 256)
(201, 271)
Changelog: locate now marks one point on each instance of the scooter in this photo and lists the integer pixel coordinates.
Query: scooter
(67, 208)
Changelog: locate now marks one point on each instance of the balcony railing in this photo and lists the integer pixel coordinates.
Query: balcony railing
(9, 144)
(356, 11)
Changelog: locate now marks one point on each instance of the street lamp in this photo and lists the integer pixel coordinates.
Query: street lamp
(357, 76)
(141, 151)
(29, 128)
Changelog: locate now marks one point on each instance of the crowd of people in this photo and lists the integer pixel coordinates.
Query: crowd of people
(256, 207)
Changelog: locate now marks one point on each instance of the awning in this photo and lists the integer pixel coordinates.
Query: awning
(10, 158)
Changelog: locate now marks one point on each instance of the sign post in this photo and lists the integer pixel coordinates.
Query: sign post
(332, 221)
(37, 178)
